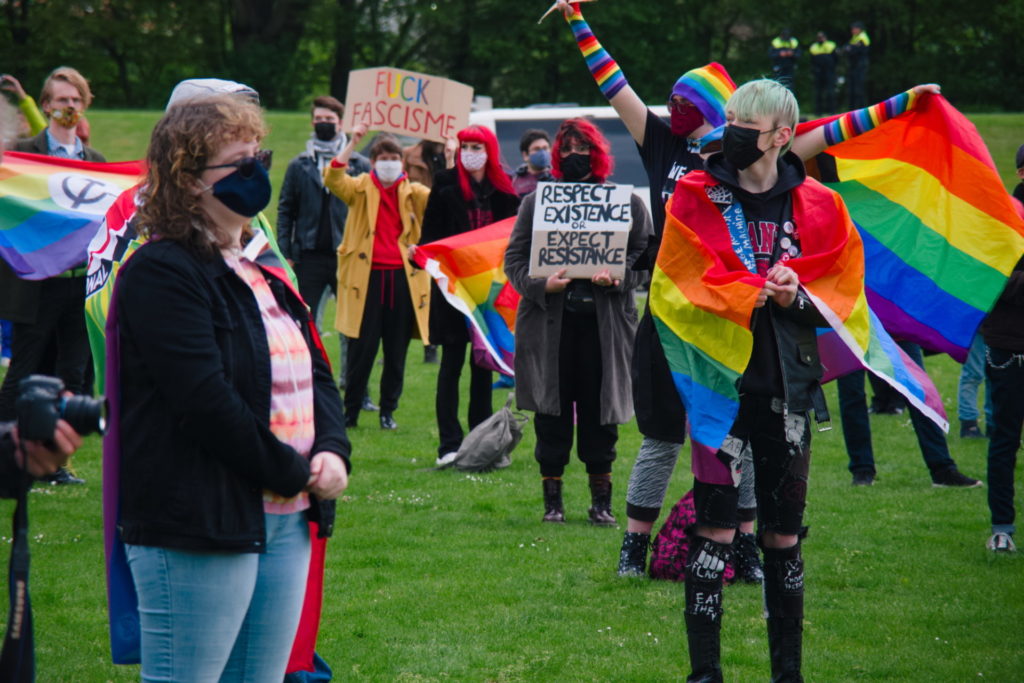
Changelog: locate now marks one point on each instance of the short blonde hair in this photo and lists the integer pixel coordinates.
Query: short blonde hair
(70, 76)
(183, 142)
(765, 97)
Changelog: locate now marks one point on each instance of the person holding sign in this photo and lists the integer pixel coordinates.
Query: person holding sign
(473, 194)
(574, 334)
(380, 295)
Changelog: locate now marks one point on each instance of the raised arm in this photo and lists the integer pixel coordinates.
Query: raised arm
(606, 72)
(854, 123)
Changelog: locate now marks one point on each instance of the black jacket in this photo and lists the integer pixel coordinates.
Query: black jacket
(784, 362)
(1004, 326)
(13, 479)
(446, 215)
(300, 203)
(195, 382)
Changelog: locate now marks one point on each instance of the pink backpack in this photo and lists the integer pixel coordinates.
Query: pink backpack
(671, 545)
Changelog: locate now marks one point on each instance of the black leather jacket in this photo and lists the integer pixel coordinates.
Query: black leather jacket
(195, 382)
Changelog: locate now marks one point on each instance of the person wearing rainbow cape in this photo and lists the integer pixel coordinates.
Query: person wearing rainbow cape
(669, 151)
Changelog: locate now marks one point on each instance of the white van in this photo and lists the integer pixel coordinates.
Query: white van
(510, 124)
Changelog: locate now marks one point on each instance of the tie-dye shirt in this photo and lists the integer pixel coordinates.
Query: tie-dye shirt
(291, 371)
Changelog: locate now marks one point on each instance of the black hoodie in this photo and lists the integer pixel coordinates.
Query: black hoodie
(766, 215)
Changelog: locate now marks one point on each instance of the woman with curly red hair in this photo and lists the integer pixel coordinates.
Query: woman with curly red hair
(574, 337)
(475, 193)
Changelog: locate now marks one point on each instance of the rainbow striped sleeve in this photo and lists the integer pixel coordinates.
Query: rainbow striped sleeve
(854, 123)
(603, 68)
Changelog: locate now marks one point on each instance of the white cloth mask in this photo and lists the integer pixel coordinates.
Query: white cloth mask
(472, 160)
(388, 171)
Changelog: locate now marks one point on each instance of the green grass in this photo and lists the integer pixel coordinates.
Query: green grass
(438, 576)
(435, 576)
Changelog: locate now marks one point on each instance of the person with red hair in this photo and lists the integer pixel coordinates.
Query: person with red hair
(475, 193)
(574, 337)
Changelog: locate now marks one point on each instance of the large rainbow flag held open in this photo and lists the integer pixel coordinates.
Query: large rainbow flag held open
(940, 232)
(51, 208)
(469, 271)
(702, 299)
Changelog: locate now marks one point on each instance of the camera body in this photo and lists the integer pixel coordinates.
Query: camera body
(41, 402)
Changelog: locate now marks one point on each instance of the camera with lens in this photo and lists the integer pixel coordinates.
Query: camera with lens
(41, 402)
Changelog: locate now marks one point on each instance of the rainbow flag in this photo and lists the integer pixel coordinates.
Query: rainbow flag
(702, 300)
(940, 232)
(469, 271)
(51, 208)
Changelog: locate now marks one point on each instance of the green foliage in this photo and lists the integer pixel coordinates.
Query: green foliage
(134, 51)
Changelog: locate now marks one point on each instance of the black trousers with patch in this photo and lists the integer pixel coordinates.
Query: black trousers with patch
(781, 448)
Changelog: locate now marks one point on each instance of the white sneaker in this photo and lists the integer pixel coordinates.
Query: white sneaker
(1002, 543)
(446, 459)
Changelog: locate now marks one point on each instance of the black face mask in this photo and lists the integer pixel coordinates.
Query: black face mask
(325, 130)
(740, 146)
(575, 167)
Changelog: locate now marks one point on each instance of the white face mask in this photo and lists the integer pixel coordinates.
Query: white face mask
(473, 161)
(388, 171)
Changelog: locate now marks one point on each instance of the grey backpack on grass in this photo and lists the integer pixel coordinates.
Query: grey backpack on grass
(489, 445)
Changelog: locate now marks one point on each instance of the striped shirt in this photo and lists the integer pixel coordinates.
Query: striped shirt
(291, 371)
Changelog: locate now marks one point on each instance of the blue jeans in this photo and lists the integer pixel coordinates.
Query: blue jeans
(1005, 371)
(970, 379)
(853, 411)
(209, 616)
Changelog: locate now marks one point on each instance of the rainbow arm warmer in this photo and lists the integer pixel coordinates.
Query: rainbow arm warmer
(853, 123)
(603, 68)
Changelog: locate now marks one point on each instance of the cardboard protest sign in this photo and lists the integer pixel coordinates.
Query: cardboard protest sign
(582, 227)
(406, 103)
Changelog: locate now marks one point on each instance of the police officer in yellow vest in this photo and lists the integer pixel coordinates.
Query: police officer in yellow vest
(784, 53)
(823, 66)
(857, 65)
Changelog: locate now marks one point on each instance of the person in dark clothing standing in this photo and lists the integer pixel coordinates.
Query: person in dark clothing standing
(823, 66)
(1018, 192)
(857, 65)
(50, 314)
(1003, 331)
(784, 52)
(475, 193)
(535, 146)
(310, 219)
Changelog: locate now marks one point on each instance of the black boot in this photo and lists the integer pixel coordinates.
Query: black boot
(746, 558)
(784, 605)
(601, 500)
(705, 568)
(553, 509)
(633, 555)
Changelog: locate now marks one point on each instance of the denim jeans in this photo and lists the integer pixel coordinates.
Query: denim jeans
(1005, 371)
(970, 379)
(210, 616)
(853, 411)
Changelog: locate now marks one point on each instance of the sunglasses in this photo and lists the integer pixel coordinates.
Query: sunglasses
(681, 106)
(247, 166)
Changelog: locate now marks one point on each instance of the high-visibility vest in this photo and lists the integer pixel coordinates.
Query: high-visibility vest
(825, 48)
(779, 43)
(861, 38)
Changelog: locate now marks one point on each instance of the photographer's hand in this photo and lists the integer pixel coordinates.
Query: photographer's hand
(38, 459)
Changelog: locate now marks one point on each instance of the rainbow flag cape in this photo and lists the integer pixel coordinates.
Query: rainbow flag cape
(702, 299)
(51, 208)
(469, 271)
(941, 235)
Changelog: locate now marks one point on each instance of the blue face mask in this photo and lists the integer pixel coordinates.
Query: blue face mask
(540, 159)
(247, 190)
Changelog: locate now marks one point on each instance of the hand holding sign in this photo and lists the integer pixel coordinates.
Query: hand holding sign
(557, 282)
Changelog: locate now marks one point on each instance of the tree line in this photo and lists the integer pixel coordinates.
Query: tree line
(134, 51)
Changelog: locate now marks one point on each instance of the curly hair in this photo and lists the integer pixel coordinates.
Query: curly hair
(183, 142)
(583, 131)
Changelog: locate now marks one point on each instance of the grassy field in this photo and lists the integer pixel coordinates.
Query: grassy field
(444, 576)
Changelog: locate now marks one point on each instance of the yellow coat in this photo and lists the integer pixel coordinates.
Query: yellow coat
(355, 253)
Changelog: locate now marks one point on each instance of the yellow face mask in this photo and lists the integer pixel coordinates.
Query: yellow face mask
(67, 117)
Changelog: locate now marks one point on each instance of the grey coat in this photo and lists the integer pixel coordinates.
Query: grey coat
(539, 323)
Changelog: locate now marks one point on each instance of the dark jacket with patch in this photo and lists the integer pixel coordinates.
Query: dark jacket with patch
(195, 382)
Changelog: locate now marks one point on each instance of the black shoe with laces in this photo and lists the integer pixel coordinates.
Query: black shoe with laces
(746, 559)
(62, 478)
(386, 421)
(369, 406)
(863, 478)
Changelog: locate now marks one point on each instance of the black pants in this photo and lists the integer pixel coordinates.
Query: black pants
(387, 320)
(579, 382)
(781, 447)
(1005, 372)
(856, 81)
(60, 320)
(824, 92)
(446, 402)
(315, 271)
